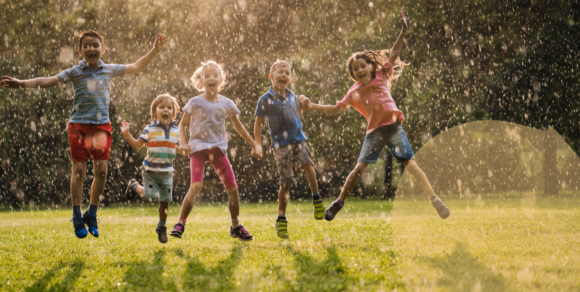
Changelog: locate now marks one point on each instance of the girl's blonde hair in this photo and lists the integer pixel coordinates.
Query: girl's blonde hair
(162, 98)
(376, 59)
(197, 81)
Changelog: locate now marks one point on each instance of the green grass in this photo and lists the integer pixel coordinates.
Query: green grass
(38, 251)
(515, 242)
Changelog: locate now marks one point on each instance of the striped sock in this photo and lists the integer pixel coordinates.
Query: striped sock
(77, 213)
(281, 218)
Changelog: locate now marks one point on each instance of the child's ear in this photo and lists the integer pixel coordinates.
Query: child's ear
(80, 52)
(269, 75)
(104, 49)
(289, 79)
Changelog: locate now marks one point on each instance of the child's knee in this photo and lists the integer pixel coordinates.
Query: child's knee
(196, 186)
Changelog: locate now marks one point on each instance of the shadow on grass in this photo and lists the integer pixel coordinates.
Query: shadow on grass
(197, 277)
(147, 275)
(462, 272)
(64, 284)
(329, 274)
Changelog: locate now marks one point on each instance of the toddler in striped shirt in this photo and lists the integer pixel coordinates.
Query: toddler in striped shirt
(161, 139)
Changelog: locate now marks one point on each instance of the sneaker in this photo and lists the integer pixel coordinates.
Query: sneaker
(162, 233)
(178, 230)
(130, 192)
(441, 208)
(318, 209)
(332, 210)
(282, 229)
(91, 222)
(241, 233)
(80, 230)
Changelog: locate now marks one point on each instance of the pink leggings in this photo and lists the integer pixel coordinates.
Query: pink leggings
(220, 163)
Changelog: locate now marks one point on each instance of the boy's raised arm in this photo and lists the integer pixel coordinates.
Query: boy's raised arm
(396, 50)
(40, 82)
(140, 65)
(135, 143)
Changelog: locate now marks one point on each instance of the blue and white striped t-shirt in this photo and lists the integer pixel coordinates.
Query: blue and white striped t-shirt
(161, 144)
(92, 91)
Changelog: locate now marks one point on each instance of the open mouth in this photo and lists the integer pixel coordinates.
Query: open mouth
(165, 116)
(360, 77)
(211, 85)
(283, 82)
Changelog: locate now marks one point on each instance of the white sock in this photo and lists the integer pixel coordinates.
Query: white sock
(235, 223)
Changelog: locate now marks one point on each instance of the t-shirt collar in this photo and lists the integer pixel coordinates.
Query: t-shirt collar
(82, 64)
(273, 93)
(155, 124)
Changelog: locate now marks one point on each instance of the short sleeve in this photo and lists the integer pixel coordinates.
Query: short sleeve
(117, 70)
(145, 135)
(65, 76)
(261, 108)
(346, 101)
(232, 108)
(188, 107)
(387, 69)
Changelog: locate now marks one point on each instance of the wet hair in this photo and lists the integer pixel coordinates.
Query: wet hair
(160, 99)
(376, 59)
(197, 81)
(279, 62)
(90, 33)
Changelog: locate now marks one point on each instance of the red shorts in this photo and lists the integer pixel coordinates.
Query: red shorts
(89, 140)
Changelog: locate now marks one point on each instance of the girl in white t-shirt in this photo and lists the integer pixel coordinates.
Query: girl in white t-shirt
(206, 115)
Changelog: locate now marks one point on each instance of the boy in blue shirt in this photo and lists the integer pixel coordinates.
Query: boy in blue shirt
(280, 106)
(89, 128)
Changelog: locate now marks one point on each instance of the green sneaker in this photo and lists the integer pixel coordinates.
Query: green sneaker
(282, 229)
(318, 209)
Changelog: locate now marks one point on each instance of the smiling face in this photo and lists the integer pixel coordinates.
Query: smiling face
(281, 75)
(362, 71)
(211, 78)
(92, 49)
(164, 112)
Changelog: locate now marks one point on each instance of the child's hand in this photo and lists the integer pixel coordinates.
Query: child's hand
(11, 82)
(403, 19)
(160, 40)
(125, 127)
(257, 152)
(185, 150)
(304, 102)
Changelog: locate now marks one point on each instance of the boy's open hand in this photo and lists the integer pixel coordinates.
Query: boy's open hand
(125, 127)
(257, 152)
(160, 40)
(11, 82)
(403, 19)
(304, 102)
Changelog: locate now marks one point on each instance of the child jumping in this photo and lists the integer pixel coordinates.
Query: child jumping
(89, 128)
(280, 106)
(161, 139)
(373, 73)
(206, 115)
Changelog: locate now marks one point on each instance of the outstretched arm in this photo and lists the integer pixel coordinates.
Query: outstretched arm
(40, 82)
(396, 50)
(140, 65)
(306, 104)
(256, 153)
(135, 143)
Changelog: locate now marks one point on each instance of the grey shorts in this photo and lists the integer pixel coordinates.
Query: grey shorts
(158, 182)
(284, 156)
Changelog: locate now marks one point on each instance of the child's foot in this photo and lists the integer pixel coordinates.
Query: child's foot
(80, 230)
(282, 229)
(318, 209)
(241, 233)
(441, 208)
(332, 210)
(162, 233)
(178, 230)
(91, 222)
(130, 193)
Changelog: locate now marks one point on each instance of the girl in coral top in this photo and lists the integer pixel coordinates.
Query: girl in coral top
(373, 73)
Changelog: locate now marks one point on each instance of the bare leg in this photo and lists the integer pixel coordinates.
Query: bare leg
(98, 187)
(189, 199)
(79, 169)
(283, 198)
(352, 180)
(420, 177)
(234, 202)
(311, 177)
(163, 207)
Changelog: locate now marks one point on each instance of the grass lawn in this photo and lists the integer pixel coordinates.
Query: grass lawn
(39, 252)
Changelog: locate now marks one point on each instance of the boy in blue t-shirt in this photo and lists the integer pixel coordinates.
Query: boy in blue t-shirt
(280, 106)
(89, 128)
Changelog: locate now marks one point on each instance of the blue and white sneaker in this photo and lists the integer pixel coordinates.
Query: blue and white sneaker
(80, 230)
(91, 222)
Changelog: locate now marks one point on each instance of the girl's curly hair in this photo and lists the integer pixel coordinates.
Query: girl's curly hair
(162, 98)
(197, 81)
(376, 59)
